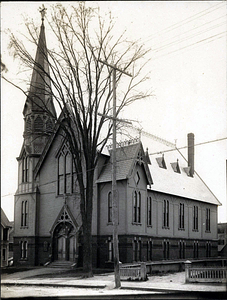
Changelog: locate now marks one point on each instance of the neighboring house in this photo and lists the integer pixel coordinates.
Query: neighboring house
(5, 228)
(222, 239)
(165, 209)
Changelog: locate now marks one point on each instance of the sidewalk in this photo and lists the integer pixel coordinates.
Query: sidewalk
(171, 282)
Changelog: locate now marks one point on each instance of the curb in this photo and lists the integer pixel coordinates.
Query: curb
(101, 286)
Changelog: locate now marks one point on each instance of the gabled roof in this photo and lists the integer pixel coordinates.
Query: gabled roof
(126, 158)
(171, 182)
(4, 220)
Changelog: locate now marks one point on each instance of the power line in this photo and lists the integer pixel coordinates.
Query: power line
(214, 37)
(194, 28)
(125, 159)
(184, 147)
(185, 21)
(173, 43)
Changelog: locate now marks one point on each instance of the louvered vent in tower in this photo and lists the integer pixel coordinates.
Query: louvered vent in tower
(38, 124)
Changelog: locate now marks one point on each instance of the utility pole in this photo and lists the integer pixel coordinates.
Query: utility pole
(114, 181)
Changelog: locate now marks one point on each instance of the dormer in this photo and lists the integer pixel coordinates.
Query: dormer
(176, 167)
(161, 162)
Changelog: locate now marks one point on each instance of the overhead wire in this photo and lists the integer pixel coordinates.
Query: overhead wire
(126, 159)
(184, 38)
(185, 21)
(214, 37)
(194, 28)
(173, 43)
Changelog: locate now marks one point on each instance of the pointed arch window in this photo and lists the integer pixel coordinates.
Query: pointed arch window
(65, 172)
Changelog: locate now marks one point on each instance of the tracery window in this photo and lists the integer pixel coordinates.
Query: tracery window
(65, 172)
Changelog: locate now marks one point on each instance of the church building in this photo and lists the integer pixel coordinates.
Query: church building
(165, 209)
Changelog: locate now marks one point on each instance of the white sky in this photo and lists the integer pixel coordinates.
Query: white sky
(187, 76)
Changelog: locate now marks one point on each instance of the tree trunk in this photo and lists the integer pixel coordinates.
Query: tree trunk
(87, 251)
(87, 227)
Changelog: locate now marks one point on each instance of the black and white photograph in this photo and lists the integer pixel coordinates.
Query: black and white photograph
(113, 150)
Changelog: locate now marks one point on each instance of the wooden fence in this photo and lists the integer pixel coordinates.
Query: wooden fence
(205, 274)
(133, 272)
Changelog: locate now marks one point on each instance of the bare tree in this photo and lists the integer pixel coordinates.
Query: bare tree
(82, 89)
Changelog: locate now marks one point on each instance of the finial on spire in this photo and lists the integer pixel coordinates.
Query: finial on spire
(42, 10)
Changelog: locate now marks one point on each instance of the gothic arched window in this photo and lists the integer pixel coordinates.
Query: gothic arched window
(65, 174)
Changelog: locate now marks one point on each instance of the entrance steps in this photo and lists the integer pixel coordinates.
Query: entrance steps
(61, 264)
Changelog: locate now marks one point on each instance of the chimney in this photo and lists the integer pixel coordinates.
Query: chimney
(191, 153)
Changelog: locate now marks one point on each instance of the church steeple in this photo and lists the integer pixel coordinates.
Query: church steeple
(39, 111)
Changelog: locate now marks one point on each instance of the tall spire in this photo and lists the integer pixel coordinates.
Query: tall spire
(39, 111)
(40, 94)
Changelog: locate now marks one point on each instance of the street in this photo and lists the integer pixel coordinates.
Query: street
(42, 292)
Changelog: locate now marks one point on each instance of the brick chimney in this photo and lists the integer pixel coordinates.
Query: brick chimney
(191, 151)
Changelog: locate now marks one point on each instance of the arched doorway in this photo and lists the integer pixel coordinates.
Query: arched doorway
(65, 242)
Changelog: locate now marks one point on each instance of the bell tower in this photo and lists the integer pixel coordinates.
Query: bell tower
(39, 119)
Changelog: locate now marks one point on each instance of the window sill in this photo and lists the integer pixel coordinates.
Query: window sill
(207, 231)
(181, 229)
(24, 227)
(134, 223)
(195, 230)
(150, 226)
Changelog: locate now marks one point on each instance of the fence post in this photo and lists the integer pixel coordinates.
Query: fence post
(143, 271)
(187, 267)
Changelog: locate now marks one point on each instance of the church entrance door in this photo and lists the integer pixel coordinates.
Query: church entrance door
(65, 245)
